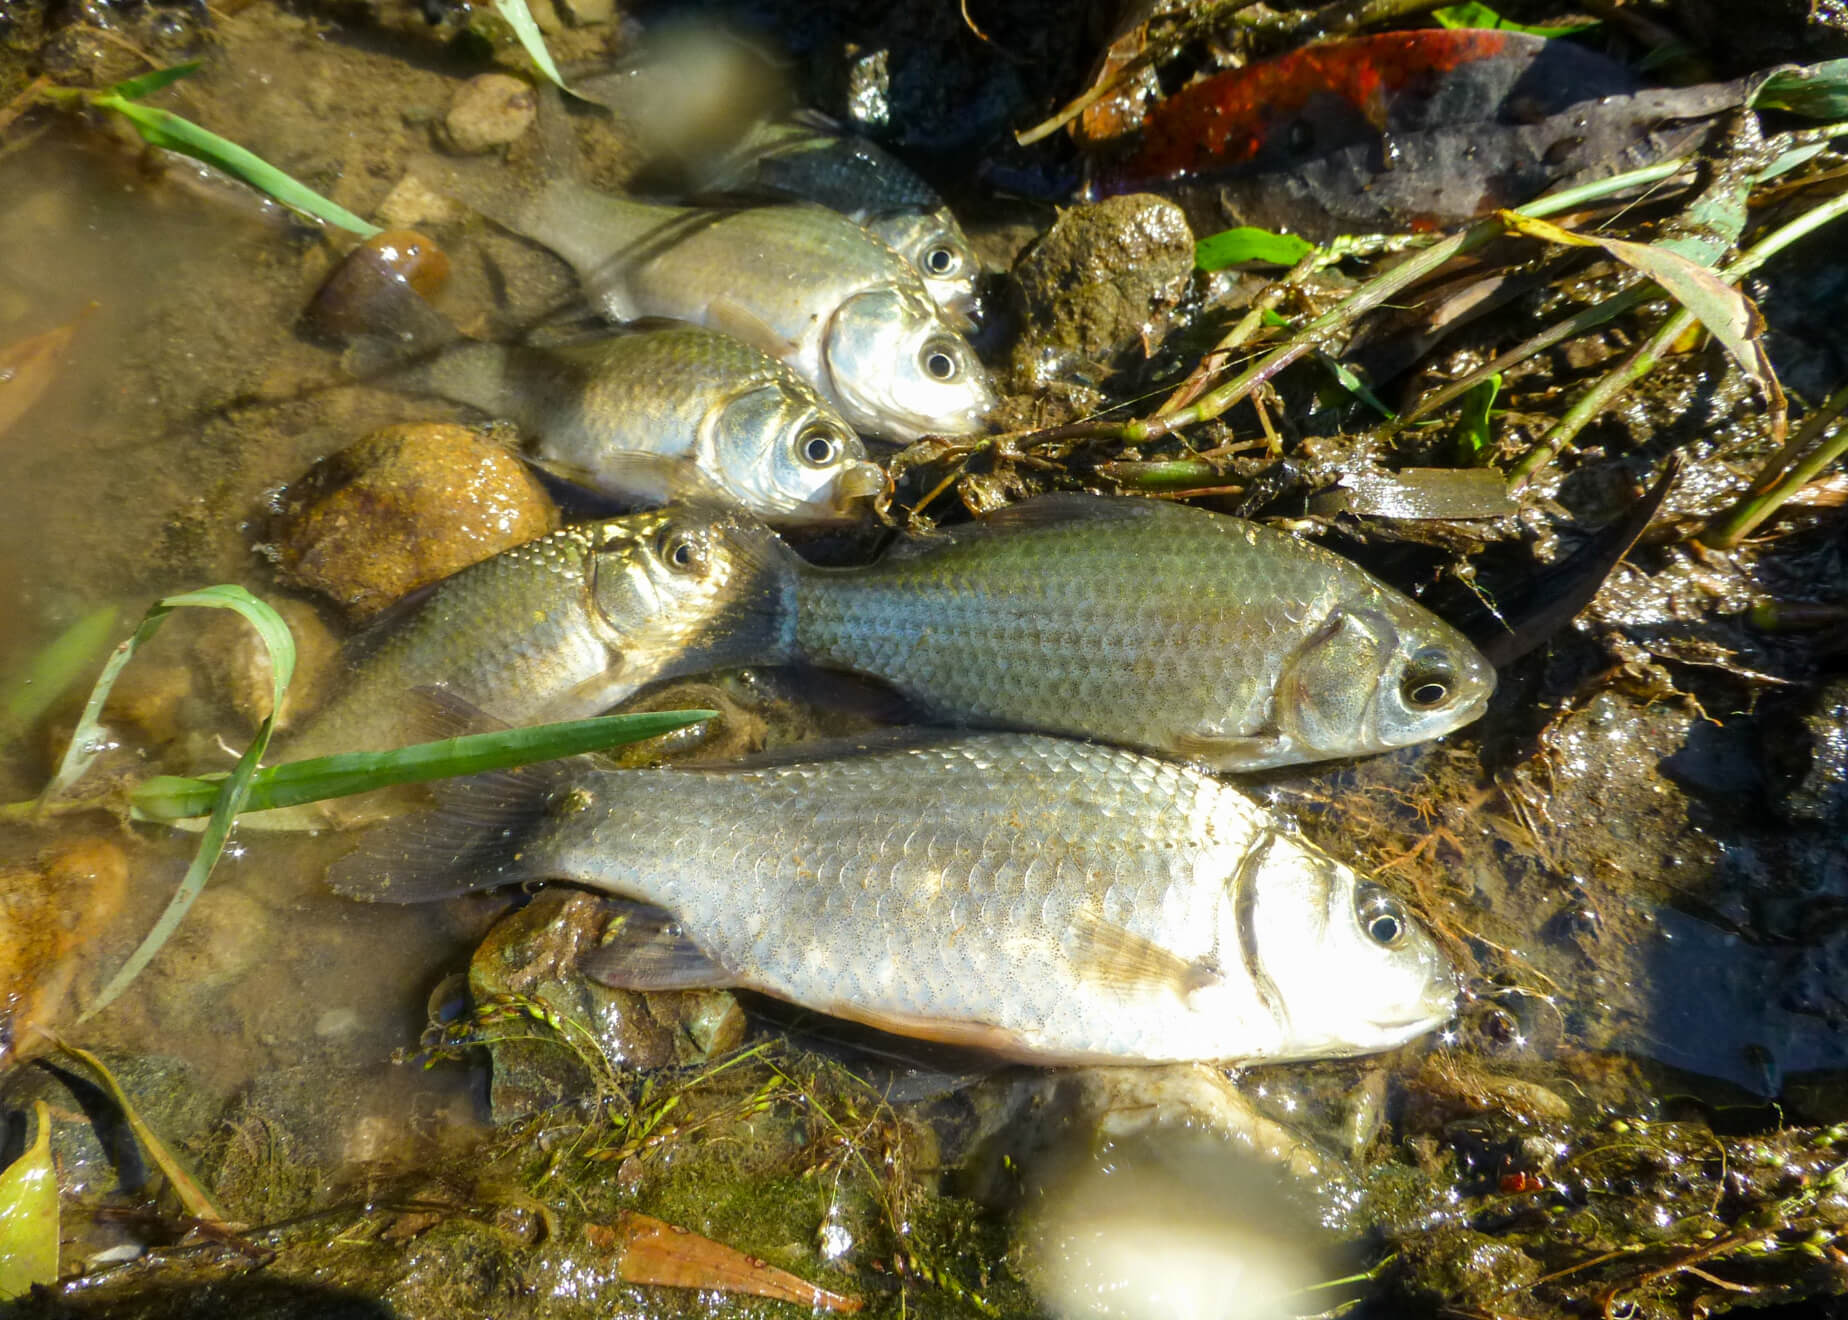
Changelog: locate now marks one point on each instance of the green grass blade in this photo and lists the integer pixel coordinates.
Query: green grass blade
(1819, 91)
(29, 694)
(520, 19)
(29, 1215)
(293, 783)
(275, 635)
(163, 128)
(1232, 247)
(134, 89)
(1477, 15)
(1474, 436)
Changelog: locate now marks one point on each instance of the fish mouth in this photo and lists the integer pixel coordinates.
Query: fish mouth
(859, 480)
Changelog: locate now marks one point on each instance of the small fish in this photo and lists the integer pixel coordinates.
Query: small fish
(1054, 901)
(806, 285)
(807, 156)
(560, 628)
(666, 415)
(1147, 624)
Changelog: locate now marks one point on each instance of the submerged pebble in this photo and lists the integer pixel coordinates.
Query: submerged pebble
(402, 508)
(490, 110)
(51, 911)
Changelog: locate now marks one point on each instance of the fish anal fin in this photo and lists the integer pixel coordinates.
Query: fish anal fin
(645, 948)
(1109, 955)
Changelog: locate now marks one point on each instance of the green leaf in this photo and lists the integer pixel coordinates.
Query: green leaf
(1232, 247)
(134, 89)
(1353, 384)
(520, 19)
(163, 128)
(275, 635)
(1819, 91)
(167, 797)
(1727, 313)
(29, 694)
(29, 1215)
(1474, 437)
(1474, 15)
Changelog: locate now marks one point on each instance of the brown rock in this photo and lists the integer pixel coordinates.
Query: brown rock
(490, 110)
(50, 913)
(402, 508)
(238, 663)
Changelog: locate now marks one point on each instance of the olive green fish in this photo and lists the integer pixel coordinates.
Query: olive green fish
(667, 415)
(560, 628)
(1052, 900)
(1153, 625)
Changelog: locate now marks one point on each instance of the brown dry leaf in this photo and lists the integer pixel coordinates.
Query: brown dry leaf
(26, 370)
(655, 1251)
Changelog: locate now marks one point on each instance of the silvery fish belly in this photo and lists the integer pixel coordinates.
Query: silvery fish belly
(803, 284)
(561, 627)
(1051, 900)
(1156, 626)
(668, 415)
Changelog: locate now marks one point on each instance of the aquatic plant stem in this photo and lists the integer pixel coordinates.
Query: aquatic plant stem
(1770, 490)
(1650, 352)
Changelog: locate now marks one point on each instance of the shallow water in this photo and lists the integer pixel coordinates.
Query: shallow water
(1646, 935)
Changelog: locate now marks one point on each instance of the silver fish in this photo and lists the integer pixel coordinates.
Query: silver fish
(807, 156)
(1054, 901)
(562, 627)
(1148, 624)
(806, 285)
(667, 415)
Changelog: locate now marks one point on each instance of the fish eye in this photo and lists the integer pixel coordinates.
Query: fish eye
(683, 550)
(940, 361)
(818, 447)
(1427, 683)
(1381, 916)
(940, 261)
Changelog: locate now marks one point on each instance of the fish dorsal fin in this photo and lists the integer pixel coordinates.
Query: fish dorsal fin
(645, 948)
(1110, 956)
(1058, 509)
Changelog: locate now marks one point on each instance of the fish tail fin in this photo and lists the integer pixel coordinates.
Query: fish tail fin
(475, 837)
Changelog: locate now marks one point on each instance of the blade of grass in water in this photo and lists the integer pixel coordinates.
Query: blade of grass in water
(520, 19)
(281, 646)
(30, 693)
(168, 797)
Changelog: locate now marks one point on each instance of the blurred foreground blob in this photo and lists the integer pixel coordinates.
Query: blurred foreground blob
(1403, 131)
(1174, 1224)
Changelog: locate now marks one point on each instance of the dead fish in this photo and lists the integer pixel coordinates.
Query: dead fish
(666, 415)
(1054, 901)
(1147, 624)
(804, 284)
(806, 156)
(562, 627)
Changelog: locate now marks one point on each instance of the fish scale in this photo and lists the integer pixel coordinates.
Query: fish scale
(1054, 900)
(1154, 626)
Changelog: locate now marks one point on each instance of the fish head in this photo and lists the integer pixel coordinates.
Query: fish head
(1344, 967)
(944, 258)
(898, 371)
(694, 585)
(1384, 675)
(784, 454)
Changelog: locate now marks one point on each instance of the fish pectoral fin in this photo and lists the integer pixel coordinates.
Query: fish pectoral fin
(1110, 956)
(645, 948)
(943, 1031)
(1233, 751)
(631, 475)
(728, 317)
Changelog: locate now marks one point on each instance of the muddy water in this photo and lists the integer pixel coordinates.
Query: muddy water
(1651, 926)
